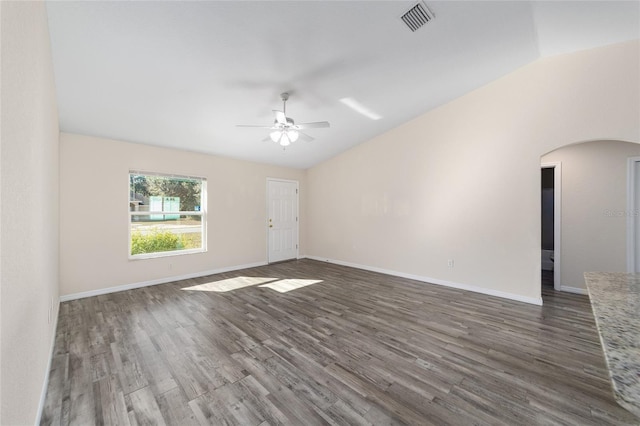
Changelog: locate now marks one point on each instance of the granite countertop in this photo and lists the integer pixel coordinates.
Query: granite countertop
(615, 301)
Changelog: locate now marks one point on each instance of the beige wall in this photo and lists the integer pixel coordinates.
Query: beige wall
(462, 182)
(594, 199)
(29, 211)
(94, 212)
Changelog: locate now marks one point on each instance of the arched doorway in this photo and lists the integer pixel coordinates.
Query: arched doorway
(591, 210)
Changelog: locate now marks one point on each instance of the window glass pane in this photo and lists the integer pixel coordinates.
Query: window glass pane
(166, 193)
(159, 220)
(152, 233)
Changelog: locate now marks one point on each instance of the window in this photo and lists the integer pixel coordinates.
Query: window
(167, 215)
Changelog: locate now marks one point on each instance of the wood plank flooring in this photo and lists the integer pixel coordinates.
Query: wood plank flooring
(342, 346)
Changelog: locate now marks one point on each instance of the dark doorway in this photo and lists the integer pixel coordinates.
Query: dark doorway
(547, 215)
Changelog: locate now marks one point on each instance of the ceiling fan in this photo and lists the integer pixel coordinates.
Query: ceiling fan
(284, 130)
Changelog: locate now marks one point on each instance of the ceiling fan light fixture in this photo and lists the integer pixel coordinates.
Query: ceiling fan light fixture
(292, 135)
(275, 135)
(284, 137)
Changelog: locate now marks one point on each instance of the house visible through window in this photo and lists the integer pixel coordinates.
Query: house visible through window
(167, 214)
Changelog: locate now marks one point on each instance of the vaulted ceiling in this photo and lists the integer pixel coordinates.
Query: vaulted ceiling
(183, 74)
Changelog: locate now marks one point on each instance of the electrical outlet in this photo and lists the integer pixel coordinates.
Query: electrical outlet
(450, 263)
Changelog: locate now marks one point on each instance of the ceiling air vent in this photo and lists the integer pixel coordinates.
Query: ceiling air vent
(417, 16)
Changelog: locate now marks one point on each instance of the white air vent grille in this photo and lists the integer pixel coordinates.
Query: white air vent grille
(417, 16)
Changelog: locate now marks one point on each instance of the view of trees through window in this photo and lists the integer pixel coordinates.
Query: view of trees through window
(166, 214)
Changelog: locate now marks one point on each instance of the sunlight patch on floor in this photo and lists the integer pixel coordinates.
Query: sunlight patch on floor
(230, 284)
(284, 286)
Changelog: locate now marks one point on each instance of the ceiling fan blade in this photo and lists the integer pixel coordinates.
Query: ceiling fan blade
(280, 117)
(267, 139)
(253, 125)
(305, 137)
(314, 125)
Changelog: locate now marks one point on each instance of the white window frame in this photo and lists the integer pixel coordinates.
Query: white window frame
(202, 213)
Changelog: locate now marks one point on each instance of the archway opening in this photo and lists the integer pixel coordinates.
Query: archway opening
(590, 212)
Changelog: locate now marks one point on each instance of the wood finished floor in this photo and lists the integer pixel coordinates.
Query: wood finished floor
(355, 348)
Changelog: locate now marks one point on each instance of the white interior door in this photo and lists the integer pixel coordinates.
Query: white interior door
(282, 221)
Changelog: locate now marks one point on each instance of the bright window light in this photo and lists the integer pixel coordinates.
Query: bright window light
(359, 108)
(231, 284)
(284, 286)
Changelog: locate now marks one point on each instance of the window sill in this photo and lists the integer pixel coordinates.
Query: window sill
(165, 254)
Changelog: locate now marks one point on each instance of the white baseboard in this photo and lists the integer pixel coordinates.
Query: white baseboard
(475, 289)
(575, 290)
(467, 287)
(82, 295)
(52, 346)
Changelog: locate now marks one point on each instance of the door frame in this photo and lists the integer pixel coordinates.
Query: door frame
(631, 225)
(557, 220)
(266, 219)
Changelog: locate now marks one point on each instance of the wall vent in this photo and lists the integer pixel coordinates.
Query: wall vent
(417, 16)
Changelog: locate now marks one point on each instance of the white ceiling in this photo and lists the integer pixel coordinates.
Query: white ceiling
(183, 74)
